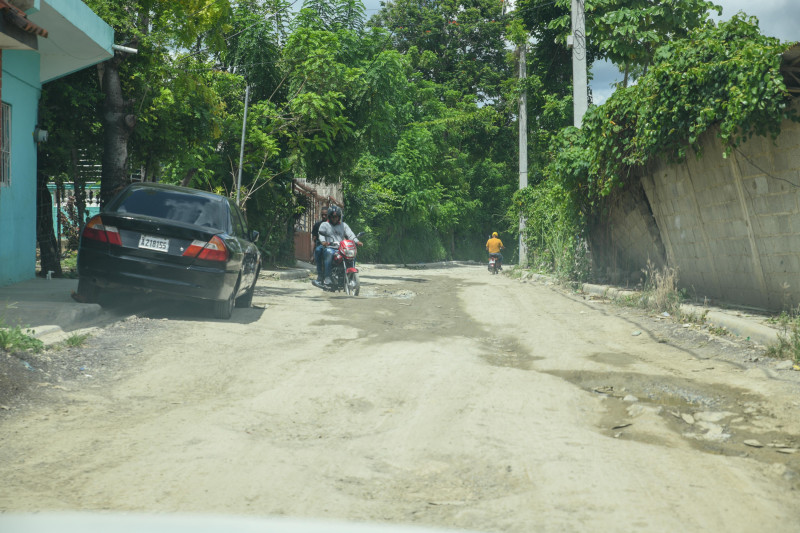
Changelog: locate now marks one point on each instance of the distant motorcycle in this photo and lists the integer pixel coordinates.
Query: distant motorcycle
(495, 265)
(344, 274)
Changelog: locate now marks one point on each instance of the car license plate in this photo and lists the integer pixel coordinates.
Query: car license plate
(154, 243)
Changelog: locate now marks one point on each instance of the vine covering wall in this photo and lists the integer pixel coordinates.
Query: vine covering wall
(730, 225)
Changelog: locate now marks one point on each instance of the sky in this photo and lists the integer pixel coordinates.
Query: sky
(777, 18)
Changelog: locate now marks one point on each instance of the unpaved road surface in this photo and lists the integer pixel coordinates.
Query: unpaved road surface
(445, 398)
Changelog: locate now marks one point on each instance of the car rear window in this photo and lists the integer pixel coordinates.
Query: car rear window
(172, 205)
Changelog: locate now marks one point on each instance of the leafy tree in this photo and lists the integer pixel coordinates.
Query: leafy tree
(151, 27)
(626, 32)
(68, 110)
(446, 180)
(459, 42)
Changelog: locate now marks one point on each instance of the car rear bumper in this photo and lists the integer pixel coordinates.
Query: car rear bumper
(133, 273)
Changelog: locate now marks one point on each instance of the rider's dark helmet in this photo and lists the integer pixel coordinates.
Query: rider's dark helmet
(334, 211)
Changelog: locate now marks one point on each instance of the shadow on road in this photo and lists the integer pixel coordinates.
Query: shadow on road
(155, 307)
(394, 278)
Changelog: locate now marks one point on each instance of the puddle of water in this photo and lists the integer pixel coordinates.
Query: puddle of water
(613, 358)
(713, 419)
(663, 390)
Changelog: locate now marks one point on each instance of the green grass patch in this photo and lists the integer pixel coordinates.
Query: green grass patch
(788, 344)
(77, 339)
(15, 339)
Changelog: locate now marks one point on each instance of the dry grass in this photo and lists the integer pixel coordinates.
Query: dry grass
(788, 345)
(661, 289)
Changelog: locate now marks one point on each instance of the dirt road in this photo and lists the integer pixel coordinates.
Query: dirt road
(445, 398)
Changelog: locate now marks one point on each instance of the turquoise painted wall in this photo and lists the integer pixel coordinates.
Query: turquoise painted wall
(21, 89)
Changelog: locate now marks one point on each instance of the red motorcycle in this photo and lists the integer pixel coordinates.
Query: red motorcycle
(344, 274)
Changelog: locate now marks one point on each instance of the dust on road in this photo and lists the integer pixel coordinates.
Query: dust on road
(445, 398)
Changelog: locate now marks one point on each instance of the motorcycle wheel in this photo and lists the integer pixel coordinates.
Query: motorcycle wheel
(357, 288)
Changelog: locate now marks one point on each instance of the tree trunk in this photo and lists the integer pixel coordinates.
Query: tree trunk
(45, 236)
(187, 178)
(117, 128)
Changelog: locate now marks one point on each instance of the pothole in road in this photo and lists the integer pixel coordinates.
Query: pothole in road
(715, 419)
(376, 292)
(508, 353)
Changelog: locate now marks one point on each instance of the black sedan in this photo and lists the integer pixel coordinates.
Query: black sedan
(170, 240)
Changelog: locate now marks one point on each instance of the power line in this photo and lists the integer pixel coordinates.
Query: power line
(752, 163)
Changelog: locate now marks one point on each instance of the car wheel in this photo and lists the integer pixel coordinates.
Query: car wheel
(88, 291)
(246, 299)
(223, 308)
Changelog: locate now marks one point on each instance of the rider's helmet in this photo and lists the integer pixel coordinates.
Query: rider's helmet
(334, 211)
(494, 234)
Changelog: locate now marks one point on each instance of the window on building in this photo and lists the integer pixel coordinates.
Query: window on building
(5, 144)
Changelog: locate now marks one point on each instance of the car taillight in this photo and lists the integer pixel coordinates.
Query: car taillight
(97, 231)
(213, 250)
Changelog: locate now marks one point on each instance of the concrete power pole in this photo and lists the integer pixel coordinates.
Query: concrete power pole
(523, 148)
(241, 149)
(577, 41)
(508, 6)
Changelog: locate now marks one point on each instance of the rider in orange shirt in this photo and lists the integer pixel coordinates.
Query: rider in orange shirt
(493, 246)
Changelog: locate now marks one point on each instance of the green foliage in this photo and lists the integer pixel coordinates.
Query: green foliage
(625, 32)
(628, 32)
(726, 76)
(14, 339)
(553, 230)
(435, 175)
(77, 339)
(332, 16)
(555, 209)
(460, 42)
(788, 344)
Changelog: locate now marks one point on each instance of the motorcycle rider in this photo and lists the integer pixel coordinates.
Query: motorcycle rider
(331, 232)
(315, 237)
(493, 246)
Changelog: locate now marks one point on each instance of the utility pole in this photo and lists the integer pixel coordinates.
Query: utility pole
(577, 41)
(522, 121)
(241, 148)
(523, 147)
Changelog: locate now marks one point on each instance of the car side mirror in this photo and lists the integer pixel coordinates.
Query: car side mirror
(254, 235)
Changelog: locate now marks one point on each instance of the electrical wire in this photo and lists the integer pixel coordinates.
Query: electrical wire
(764, 171)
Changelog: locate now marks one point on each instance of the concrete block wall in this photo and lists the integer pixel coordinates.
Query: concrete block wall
(625, 238)
(731, 226)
